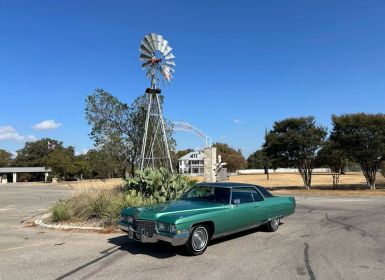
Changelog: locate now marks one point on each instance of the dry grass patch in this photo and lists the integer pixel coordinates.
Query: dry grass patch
(91, 207)
(291, 183)
(102, 184)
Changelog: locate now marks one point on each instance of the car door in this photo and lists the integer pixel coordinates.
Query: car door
(241, 214)
(261, 207)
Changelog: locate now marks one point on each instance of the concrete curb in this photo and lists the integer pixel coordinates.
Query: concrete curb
(40, 222)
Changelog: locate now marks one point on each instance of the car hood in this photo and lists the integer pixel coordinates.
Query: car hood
(172, 211)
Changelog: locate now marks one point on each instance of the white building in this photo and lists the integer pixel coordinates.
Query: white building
(192, 163)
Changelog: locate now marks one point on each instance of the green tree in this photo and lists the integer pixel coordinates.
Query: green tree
(334, 158)
(362, 137)
(35, 153)
(63, 162)
(294, 142)
(103, 164)
(256, 160)
(119, 128)
(61, 159)
(259, 160)
(232, 157)
(5, 158)
(83, 167)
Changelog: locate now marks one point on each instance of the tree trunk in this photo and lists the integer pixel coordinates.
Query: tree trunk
(306, 171)
(266, 172)
(370, 171)
(336, 179)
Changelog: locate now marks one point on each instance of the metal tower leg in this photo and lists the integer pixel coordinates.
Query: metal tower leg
(164, 134)
(144, 141)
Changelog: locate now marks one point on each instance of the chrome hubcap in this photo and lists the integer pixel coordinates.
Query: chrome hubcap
(199, 238)
(274, 223)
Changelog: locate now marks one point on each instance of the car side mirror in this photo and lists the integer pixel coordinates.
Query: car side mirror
(236, 202)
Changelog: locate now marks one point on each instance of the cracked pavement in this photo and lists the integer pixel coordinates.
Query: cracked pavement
(327, 238)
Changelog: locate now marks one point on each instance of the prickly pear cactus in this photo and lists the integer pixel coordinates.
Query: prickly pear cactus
(159, 185)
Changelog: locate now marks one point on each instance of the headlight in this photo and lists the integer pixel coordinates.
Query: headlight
(172, 229)
(126, 219)
(161, 226)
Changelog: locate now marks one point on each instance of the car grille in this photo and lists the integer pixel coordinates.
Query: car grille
(148, 226)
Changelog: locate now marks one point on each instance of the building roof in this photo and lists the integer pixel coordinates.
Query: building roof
(24, 169)
(200, 156)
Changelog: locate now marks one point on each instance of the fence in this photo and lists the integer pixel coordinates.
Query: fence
(279, 170)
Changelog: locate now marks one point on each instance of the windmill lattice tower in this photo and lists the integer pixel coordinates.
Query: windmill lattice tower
(158, 61)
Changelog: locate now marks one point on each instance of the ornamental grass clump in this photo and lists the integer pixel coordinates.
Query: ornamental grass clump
(103, 207)
(60, 212)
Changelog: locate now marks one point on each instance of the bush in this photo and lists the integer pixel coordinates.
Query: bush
(60, 212)
(104, 206)
(158, 185)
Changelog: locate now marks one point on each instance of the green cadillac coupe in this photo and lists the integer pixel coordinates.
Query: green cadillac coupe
(205, 212)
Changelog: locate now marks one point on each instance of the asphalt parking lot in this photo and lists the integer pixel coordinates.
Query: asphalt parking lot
(327, 238)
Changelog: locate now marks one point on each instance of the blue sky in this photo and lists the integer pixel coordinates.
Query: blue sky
(254, 62)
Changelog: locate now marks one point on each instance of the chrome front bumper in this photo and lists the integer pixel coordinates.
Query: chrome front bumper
(176, 240)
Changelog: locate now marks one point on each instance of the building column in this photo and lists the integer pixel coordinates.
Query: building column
(14, 180)
(46, 177)
(210, 164)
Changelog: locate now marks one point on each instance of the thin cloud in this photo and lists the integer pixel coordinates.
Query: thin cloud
(237, 121)
(46, 125)
(9, 133)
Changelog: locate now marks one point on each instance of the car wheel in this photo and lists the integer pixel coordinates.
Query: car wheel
(198, 240)
(273, 224)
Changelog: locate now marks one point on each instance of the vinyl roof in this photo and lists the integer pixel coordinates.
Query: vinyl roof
(226, 184)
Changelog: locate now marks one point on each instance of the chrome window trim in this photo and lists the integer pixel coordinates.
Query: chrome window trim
(263, 197)
(251, 187)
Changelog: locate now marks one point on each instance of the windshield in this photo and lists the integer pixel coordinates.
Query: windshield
(208, 194)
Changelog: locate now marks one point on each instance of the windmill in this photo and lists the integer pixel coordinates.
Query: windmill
(155, 53)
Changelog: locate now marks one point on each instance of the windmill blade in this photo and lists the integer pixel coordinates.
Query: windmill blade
(170, 62)
(144, 65)
(167, 50)
(144, 57)
(168, 68)
(157, 59)
(145, 51)
(154, 38)
(166, 74)
(169, 56)
(159, 40)
(164, 45)
(150, 42)
(146, 45)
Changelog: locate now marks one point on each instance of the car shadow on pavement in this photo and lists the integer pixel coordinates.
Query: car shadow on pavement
(163, 250)
(160, 250)
(240, 234)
